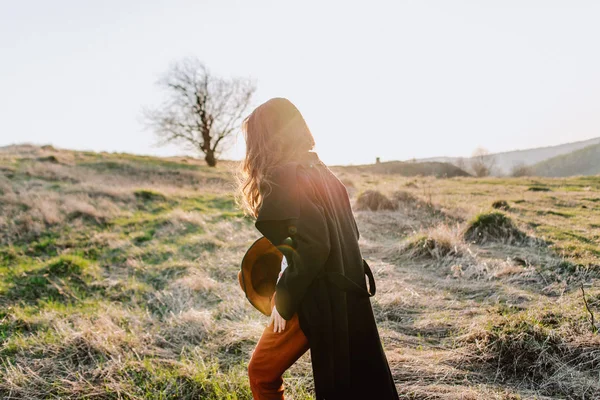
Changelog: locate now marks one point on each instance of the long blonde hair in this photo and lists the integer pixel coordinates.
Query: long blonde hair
(275, 133)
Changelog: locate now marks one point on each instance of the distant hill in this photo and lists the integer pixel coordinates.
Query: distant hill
(506, 161)
(585, 161)
(438, 169)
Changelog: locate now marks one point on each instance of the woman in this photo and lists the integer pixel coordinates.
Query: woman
(321, 300)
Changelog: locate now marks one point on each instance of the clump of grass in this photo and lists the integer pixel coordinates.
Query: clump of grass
(67, 265)
(409, 201)
(539, 189)
(82, 208)
(375, 201)
(5, 185)
(149, 195)
(405, 197)
(84, 215)
(180, 221)
(549, 349)
(186, 328)
(556, 213)
(21, 227)
(51, 159)
(8, 256)
(439, 245)
(142, 237)
(493, 227)
(519, 344)
(501, 205)
(431, 247)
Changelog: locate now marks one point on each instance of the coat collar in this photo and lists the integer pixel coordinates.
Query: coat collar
(310, 158)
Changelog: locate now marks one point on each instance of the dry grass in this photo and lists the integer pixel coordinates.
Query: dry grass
(118, 279)
(552, 345)
(439, 243)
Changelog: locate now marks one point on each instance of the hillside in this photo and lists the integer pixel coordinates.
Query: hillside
(437, 169)
(585, 161)
(118, 280)
(505, 161)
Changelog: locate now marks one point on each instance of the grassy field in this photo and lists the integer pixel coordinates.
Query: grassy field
(118, 280)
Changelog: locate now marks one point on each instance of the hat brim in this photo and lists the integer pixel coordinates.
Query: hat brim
(258, 274)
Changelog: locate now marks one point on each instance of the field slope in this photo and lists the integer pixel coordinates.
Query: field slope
(118, 280)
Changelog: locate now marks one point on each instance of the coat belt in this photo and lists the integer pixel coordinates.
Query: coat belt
(346, 284)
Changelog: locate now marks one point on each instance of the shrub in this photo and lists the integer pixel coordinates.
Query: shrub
(374, 201)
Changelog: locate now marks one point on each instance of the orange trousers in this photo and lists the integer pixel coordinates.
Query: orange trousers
(273, 355)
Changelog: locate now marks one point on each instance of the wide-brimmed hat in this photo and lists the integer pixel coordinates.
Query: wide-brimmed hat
(259, 272)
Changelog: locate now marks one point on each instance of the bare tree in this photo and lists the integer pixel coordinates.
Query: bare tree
(482, 162)
(521, 169)
(201, 111)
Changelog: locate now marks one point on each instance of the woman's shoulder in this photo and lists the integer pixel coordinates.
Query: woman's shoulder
(289, 186)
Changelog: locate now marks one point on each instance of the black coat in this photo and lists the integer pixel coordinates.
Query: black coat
(325, 280)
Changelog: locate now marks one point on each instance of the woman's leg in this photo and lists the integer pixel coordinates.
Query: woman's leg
(273, 355)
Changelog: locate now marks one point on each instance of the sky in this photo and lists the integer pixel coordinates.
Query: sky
(390, 79)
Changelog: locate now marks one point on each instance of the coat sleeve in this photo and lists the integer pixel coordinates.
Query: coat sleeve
(292, 220)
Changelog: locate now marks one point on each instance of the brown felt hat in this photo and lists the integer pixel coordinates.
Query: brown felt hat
(258, 273)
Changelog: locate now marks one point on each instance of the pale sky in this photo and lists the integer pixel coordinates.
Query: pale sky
(395, 79)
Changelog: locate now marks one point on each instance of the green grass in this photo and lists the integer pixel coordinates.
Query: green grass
(149, 195)
(64, 278)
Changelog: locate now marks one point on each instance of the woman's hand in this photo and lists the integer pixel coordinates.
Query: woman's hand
(277, 320)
